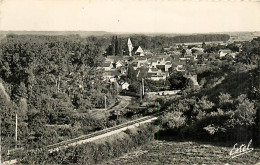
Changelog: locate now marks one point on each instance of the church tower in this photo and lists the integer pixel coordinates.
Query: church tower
(130, 47)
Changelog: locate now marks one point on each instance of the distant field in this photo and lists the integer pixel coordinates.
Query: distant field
(172, 152)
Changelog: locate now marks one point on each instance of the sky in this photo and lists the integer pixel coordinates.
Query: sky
(153, 16)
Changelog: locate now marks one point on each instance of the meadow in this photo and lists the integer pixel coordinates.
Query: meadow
(170, 151)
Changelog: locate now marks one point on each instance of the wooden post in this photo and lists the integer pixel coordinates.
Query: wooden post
(105, 102)
(141, 93)
(16, 126)
(143, 85)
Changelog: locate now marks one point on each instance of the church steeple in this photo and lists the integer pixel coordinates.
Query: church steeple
(130, 47)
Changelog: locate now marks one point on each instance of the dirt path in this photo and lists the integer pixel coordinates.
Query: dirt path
(124, 101)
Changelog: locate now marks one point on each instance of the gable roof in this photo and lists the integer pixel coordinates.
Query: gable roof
(139, 50)
(160, 66)
(225, 50)
(112, 73)
(168, 59)
(154, 69)
(141, 59)
(134, 64)
(106, 64)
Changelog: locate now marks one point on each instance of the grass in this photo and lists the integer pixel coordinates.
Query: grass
(175, 152)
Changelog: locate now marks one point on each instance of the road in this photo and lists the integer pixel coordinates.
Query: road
(124, 101)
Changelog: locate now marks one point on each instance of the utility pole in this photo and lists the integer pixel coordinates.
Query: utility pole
(105, 102)
(143, 85)
(141, 93)
(117, 113)
(16, 126)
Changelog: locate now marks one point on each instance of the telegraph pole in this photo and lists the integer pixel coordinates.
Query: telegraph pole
(105, 102)
(141, 93)
(143, 85)
(16, 126)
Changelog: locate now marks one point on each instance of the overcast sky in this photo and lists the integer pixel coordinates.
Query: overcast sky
(130, 16)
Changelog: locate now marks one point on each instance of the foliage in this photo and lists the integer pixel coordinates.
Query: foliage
(48, 78)
(250, 52)
(94, 152)
(177, 80)
(172, 120)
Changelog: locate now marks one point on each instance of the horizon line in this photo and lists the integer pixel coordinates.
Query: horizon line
(127, 31)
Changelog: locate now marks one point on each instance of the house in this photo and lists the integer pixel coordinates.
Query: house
(161, 67)
(234, 54)
(168, 59)
(224, 52)
(134, 65)
(180, 68)
(111, 75)
(123, 69)
(212, 56)
(198, 50)
(158, 77)
(168, 65)
(160, 60)
(125, 86)
(176, 57)
(174, 66)
(139, 51)
(119, 63)
(188, 51)
(141, 61)
(153, 63)
(154, 70)
(107, 66)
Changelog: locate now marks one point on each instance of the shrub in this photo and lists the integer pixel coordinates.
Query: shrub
(173, 120)
(94, 152)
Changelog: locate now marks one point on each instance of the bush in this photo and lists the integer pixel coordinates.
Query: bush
(173, 120)
(94, 152)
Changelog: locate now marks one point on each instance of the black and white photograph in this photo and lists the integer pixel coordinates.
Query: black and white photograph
(130, 82)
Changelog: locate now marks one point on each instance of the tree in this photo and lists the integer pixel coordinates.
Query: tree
(172, 120)
(204, 45)
(131, 74)
(177, 80)
(225, 101)
(183, 52)
(245, 112)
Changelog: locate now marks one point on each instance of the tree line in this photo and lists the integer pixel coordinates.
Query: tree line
(118, 44)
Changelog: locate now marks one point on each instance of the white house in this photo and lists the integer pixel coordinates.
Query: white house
(167, 66)
(107, 66)
(224, 52)
(141, 61)
(139, 51)
(125, 86)
(119, 63)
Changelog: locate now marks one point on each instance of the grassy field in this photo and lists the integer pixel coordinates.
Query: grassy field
(162, 152)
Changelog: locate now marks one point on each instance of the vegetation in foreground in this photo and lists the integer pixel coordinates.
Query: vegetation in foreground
(94, 152)
(228, 110)
(161, 152)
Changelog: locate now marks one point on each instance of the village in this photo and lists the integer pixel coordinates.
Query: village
(157, 66)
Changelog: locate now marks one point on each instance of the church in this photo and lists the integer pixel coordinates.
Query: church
(139, 51)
